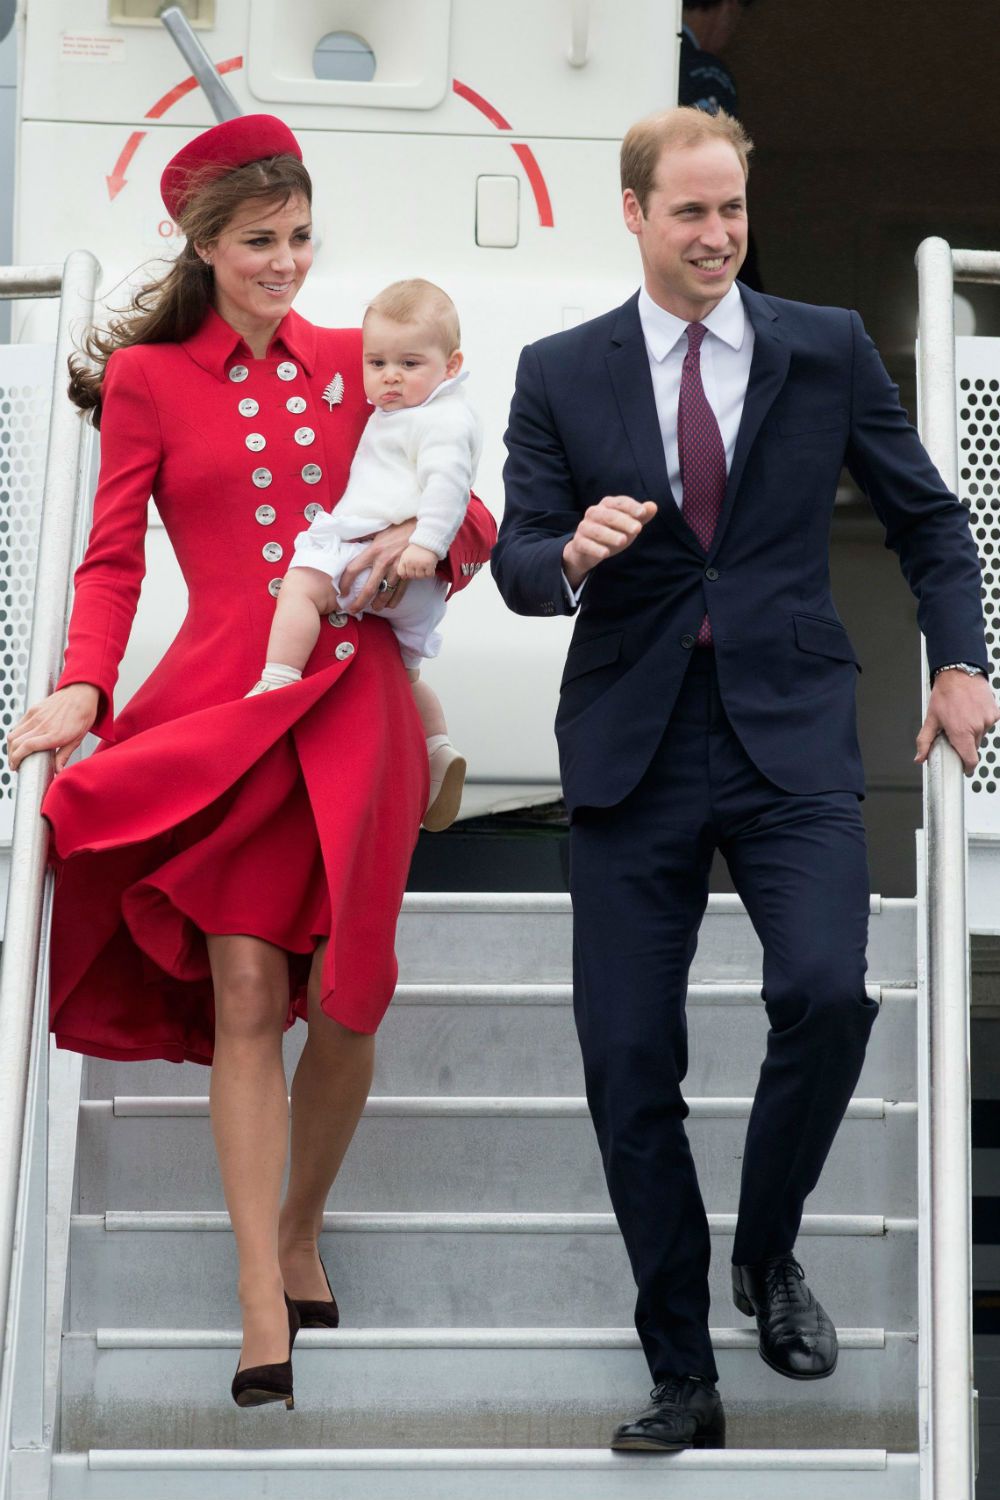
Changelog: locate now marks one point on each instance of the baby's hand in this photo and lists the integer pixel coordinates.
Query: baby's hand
(417, 562)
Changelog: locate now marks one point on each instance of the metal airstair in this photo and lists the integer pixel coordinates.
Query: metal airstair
(487, 1346)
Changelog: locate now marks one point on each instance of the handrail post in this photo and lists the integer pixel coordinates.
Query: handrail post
(29, 846)
(949, 1413)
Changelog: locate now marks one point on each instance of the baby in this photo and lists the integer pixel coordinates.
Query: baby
(417, 457)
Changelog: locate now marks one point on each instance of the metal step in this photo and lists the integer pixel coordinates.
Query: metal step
(461, 1270)
(549, 1388)
(498, 1474)
(527, 939)
(522, 1154)
(520, 1038)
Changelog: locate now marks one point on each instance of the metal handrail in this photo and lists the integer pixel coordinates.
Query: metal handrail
(65, 481)
(223, 105)
(946, 1321)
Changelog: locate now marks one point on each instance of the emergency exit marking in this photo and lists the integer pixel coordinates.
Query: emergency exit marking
(91, 47)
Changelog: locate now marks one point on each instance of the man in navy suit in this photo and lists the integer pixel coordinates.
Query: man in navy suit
(671, 474)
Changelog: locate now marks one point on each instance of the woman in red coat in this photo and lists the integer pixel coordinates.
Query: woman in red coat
(227, 864)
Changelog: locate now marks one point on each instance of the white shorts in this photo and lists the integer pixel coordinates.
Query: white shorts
(414, 619)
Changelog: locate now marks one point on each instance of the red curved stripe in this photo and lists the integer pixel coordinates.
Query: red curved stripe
(478, 102)
(171, 97)
(525, 154)
(534, 175)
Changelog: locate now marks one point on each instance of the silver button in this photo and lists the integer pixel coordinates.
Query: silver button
(264, 515)
(274, 587)
(272, 551)
(249, 407)
(312, 473)
(295, 404)
(286, 370)
(238, 373)
(344, 650)
(255, 441)
(261, 478)
(304, 436)
(338, 621)
(313, 510)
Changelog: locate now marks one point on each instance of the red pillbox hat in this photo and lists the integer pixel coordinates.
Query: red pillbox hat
(222, 149)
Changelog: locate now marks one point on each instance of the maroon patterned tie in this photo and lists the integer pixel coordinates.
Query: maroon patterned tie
(702, 454)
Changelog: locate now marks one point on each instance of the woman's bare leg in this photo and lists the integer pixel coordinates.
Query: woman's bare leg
(329, 1090)
(249, 1108)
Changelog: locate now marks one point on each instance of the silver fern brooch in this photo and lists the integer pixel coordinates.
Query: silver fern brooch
(334, 393)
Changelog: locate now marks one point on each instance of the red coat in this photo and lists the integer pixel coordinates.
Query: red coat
(289, 816)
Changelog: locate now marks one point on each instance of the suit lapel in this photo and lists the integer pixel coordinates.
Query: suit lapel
(768, 372)
(628, 367)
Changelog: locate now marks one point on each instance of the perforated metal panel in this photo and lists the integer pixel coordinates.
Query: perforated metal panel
(977, 368)
(25, 398)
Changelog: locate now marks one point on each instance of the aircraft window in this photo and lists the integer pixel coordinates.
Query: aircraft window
(341, 55)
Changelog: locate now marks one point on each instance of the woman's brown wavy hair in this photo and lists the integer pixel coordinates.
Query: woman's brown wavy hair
(173, 307)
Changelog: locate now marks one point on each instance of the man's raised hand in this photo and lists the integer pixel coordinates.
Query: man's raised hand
(606, 529)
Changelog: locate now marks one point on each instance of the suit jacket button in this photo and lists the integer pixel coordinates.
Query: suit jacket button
(265, 515)
(238, 373)
(711, 574)
(338, 620)
(286, 370)
(344, 650)
(274, 587)
(687, 641)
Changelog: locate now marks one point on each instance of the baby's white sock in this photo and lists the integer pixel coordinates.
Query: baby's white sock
(435, 741)
(276, 674)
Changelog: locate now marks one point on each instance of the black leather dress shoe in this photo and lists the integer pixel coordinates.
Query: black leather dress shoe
(797, 1337)
(686, 1412)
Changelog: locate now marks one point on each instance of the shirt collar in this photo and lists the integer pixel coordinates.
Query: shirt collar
(661, 329)
(216, 345)
(691, 37)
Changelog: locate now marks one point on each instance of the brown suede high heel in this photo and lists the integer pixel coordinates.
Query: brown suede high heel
(262, 1383)
(318, 1314)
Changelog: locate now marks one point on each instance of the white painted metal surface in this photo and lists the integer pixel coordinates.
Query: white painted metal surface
(947, 1431)
(23, 975)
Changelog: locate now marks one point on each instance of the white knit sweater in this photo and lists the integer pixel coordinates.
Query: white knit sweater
(420, 460)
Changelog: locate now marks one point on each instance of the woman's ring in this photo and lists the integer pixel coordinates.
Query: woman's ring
(383, 587)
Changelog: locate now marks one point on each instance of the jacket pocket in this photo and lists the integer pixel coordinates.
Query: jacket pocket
(587, 656)
(823, 638)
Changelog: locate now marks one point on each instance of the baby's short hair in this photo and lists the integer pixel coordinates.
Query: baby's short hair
(419, 301)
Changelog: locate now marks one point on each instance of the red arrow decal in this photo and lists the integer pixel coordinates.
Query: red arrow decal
(117, 179)
(524, 154)
(179, 90)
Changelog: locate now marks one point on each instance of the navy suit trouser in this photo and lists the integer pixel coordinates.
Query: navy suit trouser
(639, 880)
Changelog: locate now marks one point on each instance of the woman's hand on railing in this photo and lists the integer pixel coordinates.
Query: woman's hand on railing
(60, 723)
(963, 709)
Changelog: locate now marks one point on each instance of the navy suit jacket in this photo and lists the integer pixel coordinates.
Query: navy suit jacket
(583, 424)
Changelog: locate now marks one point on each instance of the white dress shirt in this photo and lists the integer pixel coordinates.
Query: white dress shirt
(726, 353)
